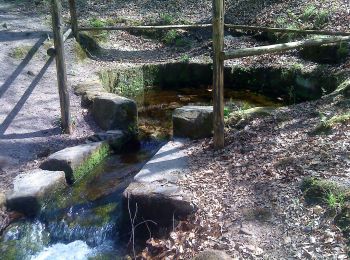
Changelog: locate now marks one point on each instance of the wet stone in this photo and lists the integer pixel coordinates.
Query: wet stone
(155, 189)
(193, 122)
(33, 188)
(74, 159)
(112, 112)
(115, 138)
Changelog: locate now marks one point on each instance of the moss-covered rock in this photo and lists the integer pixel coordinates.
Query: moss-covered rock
(326, 125)
(344, 88)
(242, 117)
(77, 161)
(87, 42)
(317, 191)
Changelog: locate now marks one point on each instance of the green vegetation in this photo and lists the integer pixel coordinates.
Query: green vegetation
(99, 36)
(326, 125)
(80, 53)
(20, 52)
(94, 160)
(167, 19)
(170, 37)
(185, 58)
(173, 37)
(331, 195)
(309, 12)
(324, 192)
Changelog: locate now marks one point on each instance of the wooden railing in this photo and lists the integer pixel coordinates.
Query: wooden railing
(219, 55)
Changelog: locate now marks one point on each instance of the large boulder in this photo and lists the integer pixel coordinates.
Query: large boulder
(193, 122)
(155, 190)
(112, 112)
(78, 160)
(32, 189)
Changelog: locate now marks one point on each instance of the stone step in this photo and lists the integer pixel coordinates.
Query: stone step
(155, 189)
(78, 160)
(193, 122)
(32, 189)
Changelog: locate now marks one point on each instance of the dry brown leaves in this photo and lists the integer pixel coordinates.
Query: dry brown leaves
(248, 195)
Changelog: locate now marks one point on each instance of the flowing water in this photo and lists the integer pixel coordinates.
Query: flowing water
(82, 222)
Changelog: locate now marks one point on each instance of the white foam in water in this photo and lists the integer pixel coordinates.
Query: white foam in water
(77, 250)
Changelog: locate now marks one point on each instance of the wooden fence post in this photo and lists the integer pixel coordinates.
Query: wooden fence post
(73, 18)
(218, 73)
(57, 26)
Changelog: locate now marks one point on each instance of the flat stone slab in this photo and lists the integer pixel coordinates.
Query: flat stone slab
(112, 112)
(32, 188)
(115, 138)
(77, 160)
(193, 122)
(155, 189)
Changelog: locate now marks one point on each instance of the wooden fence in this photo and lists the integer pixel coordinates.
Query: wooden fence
(219, 55)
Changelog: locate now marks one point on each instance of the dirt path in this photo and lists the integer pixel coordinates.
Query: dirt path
(29, 110)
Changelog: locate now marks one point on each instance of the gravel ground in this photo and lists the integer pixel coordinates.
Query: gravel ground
(29, 99)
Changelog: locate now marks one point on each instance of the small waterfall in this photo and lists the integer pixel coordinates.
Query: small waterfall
(92, 235)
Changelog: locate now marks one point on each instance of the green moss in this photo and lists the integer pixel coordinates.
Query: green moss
(344, 88)
(326, 125)
(104, 212)
(20, 52)
(95, 159)
(323, 192)
(248, 114)
(342, 220)
(80, 53)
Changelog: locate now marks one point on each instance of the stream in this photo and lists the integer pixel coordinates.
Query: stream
(82, 222)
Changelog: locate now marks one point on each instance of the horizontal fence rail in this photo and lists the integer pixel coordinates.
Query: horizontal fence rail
(283, 30)
(239, 53)
(199, 26)
(145, 27)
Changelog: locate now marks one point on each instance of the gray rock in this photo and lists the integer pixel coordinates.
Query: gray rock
(193, 121)
(88, 92)
(32, 189)
(112, 112)
(155, 189)
(115, 138)
(212, 255)
(76, 161)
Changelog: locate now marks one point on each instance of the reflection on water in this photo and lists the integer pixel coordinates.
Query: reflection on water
(156, 105)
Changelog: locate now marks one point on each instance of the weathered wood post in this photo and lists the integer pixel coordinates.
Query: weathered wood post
(218, 73)
(73, 18)
(57, 26)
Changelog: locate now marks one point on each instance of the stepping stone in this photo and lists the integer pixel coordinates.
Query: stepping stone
(193, 122)
(112, 112)
(32, 189)
(78, 160)
(155, 189)
(115, 138)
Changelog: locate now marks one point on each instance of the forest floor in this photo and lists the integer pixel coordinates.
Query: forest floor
(248, 195)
